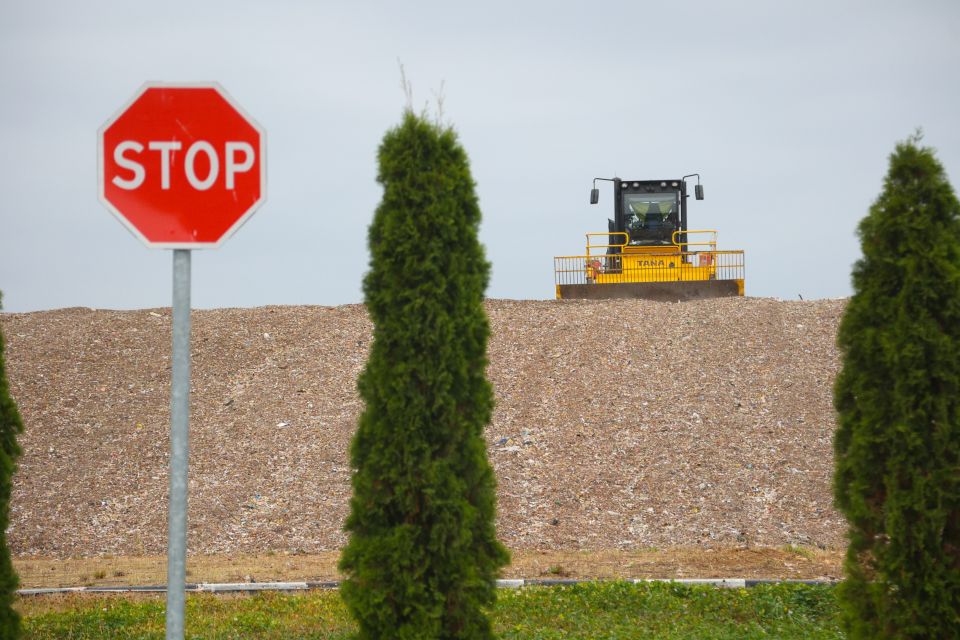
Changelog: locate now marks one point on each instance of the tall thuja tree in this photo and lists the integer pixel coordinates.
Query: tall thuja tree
(10, 426)
(897, 477)
(423, 556)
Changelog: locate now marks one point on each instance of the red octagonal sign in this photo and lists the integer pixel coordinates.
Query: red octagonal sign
(182, 166)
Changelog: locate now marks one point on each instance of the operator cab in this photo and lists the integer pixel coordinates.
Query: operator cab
(650, 218)
(650, 212)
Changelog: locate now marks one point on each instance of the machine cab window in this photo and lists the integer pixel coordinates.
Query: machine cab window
(651, 218)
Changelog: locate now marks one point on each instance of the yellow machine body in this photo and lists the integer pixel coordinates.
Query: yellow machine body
(682, 271)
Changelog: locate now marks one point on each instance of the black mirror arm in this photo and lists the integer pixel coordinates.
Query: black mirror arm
(594, 192)
(697, 188)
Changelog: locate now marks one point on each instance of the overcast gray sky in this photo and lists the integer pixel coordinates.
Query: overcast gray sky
(788, 110)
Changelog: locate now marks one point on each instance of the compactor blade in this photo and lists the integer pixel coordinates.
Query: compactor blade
(661, 291)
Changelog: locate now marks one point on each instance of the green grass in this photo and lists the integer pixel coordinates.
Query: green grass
(615, 610)
(670, 611)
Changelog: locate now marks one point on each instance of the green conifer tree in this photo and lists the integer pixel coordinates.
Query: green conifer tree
(423, 556)
(897, 477)
(10, 426)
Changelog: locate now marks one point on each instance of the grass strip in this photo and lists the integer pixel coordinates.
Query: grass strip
(616, 610)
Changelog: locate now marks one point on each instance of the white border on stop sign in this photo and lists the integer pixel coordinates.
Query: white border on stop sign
(101, 177)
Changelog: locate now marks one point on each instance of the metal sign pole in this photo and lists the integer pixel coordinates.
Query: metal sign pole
(179, 433)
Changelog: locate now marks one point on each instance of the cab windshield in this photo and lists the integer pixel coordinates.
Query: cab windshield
(650, 218)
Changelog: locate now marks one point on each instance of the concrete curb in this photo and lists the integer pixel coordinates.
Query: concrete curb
(517, 583)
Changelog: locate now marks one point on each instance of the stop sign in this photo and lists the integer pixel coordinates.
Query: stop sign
(181, 165)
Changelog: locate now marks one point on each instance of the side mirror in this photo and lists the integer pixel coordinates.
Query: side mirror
(698, 191)
(594, 196)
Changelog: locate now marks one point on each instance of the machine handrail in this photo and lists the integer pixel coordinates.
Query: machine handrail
(726, 264)
(608, 234)
(712, 243)
(719, 252)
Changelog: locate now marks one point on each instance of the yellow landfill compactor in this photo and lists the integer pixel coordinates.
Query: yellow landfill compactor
(648, 251)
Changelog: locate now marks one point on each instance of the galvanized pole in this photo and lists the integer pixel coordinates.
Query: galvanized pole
(179, 430)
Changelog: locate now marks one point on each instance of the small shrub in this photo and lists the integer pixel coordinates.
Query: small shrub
(11, 425)
(897, 477)
(423, 555)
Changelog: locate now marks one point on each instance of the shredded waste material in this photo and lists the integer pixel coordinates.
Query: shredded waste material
(619, 425)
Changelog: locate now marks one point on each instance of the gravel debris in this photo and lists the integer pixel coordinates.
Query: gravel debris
(620, 424)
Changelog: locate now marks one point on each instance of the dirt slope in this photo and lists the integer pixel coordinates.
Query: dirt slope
(619, 425)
